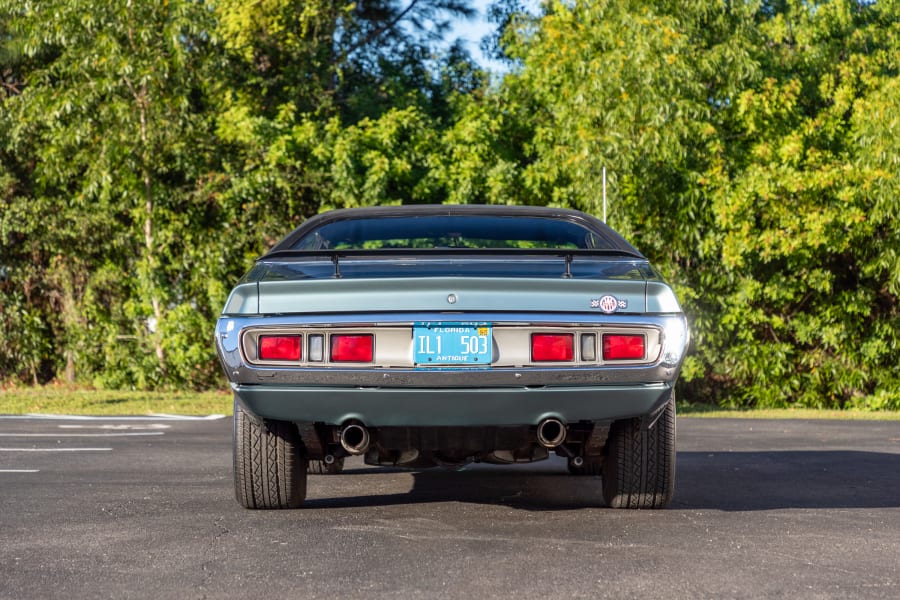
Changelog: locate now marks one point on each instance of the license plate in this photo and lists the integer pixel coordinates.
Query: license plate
(452, 344)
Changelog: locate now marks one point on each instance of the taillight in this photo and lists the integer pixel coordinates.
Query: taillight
(623, 347)
(279, 347)
(552, 347)
(352, 348)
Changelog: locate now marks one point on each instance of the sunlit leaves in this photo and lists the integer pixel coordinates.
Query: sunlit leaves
(753, 155)
(800, 214)
(752, 148)
(107, 132)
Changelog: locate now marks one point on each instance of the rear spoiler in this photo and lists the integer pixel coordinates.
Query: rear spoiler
(336, 255)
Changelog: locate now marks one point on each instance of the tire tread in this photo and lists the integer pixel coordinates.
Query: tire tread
(640, 464)
(269, 463)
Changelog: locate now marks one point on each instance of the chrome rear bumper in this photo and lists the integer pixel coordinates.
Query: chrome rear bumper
(410, 407)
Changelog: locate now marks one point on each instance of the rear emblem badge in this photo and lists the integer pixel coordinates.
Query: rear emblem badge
(609, 304)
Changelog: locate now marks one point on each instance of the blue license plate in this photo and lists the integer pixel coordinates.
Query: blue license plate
(452, 344)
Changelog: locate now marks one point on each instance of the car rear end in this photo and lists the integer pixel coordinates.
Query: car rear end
(441, 356)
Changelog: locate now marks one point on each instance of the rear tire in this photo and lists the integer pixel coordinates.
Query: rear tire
(269, 463)
(319, 467)
(640, 462)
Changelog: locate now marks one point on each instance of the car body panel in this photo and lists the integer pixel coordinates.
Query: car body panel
(444, 293)
(308, 289)
(449, 407)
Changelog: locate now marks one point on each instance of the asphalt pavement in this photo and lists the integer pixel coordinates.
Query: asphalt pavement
(144, 508)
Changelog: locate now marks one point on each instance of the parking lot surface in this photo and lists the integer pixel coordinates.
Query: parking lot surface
(144, 508)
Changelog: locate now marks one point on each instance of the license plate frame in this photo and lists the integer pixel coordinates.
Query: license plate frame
(452, 343)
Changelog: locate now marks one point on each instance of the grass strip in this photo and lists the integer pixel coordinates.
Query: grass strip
(73, 400)
(67, 400)
(711, 411)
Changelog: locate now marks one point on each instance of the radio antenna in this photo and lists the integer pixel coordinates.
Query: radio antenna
(604, 194)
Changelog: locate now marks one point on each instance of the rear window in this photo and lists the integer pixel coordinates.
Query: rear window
(450, 231)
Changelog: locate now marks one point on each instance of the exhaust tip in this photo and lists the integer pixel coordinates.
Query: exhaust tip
(355, 438)
(551, 433)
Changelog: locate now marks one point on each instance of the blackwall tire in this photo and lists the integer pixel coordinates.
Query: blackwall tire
(640, 462)
(319, 467)
(269, 463)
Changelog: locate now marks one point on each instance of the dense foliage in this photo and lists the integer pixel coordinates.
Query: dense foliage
(150, 150)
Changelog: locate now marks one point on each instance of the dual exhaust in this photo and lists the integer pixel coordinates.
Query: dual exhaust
(355, 437)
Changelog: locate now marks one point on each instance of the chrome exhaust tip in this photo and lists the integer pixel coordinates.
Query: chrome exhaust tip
(551, 433)
(355, 438)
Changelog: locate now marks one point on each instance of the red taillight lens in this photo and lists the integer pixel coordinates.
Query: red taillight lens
(623, 347)
(352, 348)
(279, 347)
(554, 347)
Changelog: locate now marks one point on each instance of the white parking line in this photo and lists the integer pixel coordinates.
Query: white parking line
(151, 417)
(187, 417)
(19, 471)
(69, 435)
(119, 426)
(55, 449)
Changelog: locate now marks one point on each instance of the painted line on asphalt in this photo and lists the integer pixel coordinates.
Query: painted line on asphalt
(55, 449)
(186, 417)
(151, 417)
(119, 426)
(70, 435)
(19, 471)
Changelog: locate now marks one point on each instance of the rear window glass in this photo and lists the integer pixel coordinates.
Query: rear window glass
(450, 231)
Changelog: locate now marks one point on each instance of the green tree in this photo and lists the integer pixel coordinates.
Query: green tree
(334, 58)
(750, 156)
(109, 134)
(807, 289)
(148, 151)
(315, 100)
(642, 89)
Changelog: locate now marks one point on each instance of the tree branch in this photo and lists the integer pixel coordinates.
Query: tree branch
(11, 87)
(377, 32)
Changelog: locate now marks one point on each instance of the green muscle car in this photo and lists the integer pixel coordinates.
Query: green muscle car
(422, 336)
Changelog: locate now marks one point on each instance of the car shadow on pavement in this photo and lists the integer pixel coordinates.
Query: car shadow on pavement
(541, 486)
(728, 481)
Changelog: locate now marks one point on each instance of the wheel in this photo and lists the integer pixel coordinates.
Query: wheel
(269, 463)
(318, 467)
(640, 462)
(590, 466)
